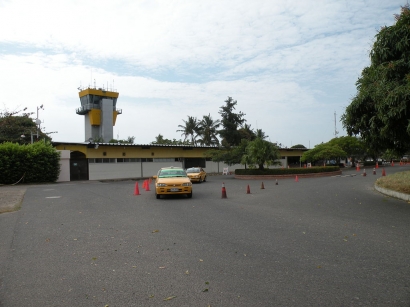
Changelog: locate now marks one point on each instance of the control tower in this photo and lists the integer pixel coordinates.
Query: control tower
(100, 109)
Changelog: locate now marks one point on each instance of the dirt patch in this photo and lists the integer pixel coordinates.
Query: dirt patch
(11, 198)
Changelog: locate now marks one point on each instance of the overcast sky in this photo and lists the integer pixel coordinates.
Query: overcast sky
(289, 64)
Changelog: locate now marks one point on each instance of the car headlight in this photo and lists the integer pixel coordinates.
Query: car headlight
(186, 184)
(161, 185)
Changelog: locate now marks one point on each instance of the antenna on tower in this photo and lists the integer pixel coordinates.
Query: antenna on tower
(336, 132)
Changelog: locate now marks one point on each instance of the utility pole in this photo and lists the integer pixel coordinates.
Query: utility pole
(336, 132)
(38, 121)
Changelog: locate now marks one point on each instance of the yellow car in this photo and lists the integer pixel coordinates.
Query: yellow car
(196, 174)
(172, 180)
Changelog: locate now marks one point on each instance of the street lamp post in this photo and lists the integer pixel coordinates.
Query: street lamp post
(31, 135)
(38, 121)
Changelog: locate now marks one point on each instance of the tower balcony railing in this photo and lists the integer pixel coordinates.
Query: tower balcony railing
(84, 109)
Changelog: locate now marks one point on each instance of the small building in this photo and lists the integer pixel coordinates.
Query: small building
(102, 161)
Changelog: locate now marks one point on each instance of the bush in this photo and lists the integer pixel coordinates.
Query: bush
(287, 171)
(38, 162)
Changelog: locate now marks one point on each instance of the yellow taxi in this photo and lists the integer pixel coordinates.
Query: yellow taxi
(196, 174)
(172, 180)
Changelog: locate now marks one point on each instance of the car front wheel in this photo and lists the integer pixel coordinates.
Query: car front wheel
(158, 196)
(189, 195)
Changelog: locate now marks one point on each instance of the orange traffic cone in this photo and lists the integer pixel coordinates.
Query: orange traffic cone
(383, 172)
(149, 180)
(223, 191)
(147, 186)
(248, 190)
(357, 167)
(377, 164)
(144, 184)
(364, 173)
(296, 179)
(136, 189)
(392, 163)
(374, 171)
(262, 186)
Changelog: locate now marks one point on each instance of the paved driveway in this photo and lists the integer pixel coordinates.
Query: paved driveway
(317, 242)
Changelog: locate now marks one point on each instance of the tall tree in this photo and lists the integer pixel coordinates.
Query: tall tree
(260, 134)
(231, 122)
(260, 152)
(19, 127)
(354, 147)
(324, 151)
(189, 129)
(247, 132)
(380, 111)
(207, 131)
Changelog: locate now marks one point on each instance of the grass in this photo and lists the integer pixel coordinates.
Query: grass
(399, 182)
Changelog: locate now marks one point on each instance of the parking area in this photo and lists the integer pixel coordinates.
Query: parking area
(330, 241)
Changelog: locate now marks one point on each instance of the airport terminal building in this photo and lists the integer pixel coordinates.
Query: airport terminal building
(99, 161)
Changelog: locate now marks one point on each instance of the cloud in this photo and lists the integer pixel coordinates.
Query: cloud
(290, 64)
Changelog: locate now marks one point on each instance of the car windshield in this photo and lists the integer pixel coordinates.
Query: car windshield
(192, 170)
(166, 173)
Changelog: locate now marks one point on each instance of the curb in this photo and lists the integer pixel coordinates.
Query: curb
(289, 176)
(402, 196)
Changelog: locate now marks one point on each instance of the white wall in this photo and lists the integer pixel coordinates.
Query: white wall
(99, 171)
(123, 170)
(217, 167)
(64, 166)
(151, 168)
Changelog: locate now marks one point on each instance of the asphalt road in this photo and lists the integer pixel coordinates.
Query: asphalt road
(331, 241)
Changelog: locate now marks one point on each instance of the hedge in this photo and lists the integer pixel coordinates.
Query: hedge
(287, 171)
(38, 162)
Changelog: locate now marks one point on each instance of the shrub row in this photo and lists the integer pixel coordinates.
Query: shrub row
(287, 171)
(38, 162)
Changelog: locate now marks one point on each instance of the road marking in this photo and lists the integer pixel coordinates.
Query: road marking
(53, 196)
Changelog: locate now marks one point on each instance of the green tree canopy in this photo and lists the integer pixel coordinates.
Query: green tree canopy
(207, 131)
(159, 140)
(189, 129)
(353, 146)
(323, 152)
(380, 111)
(298, 146)
(231, 155)
(260, 152)
(231, 123)
(246, 132)
(19, 127)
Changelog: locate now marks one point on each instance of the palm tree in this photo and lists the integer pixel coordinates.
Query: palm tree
(190, 129)
(247, 132)
(208, 130)
(260, 134)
